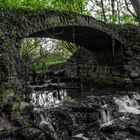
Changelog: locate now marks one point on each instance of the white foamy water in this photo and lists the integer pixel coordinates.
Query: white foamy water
(127, 104)
(48, 99)
(106, 118)
(136, 96)
(81, 136)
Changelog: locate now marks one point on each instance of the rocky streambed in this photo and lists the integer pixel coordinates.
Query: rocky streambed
(57, 116)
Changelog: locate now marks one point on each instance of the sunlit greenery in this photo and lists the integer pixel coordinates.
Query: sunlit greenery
(111, 11)
(38, 53)
(78, 6)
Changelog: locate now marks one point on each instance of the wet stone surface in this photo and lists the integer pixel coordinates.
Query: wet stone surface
(109, 117)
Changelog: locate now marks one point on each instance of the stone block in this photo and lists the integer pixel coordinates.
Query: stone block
(137, 81)
(134, 74)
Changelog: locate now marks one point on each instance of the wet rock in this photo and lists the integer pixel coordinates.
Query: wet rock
(137, 81)
(4, 133)
(135, 130)
(115, 126)
(134, 74)
(42, 137)
(109, 128)
(30, 133)
(128, 53)
(9, 132)
(117, 114)
(126, 67)
(4, 122)
(135, 117)
(25, 108)
(127, 80)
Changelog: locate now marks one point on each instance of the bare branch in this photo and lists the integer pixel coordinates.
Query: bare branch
(127, 6)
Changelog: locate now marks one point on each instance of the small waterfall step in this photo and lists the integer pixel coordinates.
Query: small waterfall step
(127, 104)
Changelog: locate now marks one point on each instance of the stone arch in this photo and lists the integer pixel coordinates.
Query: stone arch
(87, 32)
(94, 40)
(75, 28)
(31, 23)
(24, 24)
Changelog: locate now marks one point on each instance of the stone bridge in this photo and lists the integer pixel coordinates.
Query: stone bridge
(113, 45)
(79, 29)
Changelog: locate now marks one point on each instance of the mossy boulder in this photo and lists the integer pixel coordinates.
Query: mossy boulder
(25, 108)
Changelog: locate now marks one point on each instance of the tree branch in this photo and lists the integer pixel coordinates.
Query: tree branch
(135, 16)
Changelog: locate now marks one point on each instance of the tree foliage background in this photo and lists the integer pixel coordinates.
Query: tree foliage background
(114, 11)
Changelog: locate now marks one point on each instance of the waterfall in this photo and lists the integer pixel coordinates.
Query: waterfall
(81, 136)
(105, 116)
(47, 99)
(136, 96)
(127, 104)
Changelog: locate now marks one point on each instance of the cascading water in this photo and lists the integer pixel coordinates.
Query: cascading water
(105, 116)
(127, 104)
(48, 99)
(45, 102)
(81, 136)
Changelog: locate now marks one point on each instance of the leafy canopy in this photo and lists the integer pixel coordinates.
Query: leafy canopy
(110, 11)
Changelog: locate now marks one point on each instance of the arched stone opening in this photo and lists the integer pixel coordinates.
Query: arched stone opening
(102, 55)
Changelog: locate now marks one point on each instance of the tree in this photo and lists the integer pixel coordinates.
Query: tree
(136, 5)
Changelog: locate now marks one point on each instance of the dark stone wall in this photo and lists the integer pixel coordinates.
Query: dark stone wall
(12, 73)
(121, 69)
(106, 64)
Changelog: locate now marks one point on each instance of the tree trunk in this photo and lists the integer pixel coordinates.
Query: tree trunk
(136, 5)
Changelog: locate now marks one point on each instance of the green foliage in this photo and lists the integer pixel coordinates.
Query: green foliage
(38, 53)
(2, 33)
(67, 98)
(78, 6)
(116, 12)
(23, 4)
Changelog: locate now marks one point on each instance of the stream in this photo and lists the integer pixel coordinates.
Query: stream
(106, 117)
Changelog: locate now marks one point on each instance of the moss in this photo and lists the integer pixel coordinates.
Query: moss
(15, 106)
(15, 115)
(101, 79)
(2, 33)
(116, 73)
(106, 79)
(118, 79)
(25, 107)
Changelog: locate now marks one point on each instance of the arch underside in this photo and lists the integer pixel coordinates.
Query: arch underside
(83, 36)
(106, 48)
